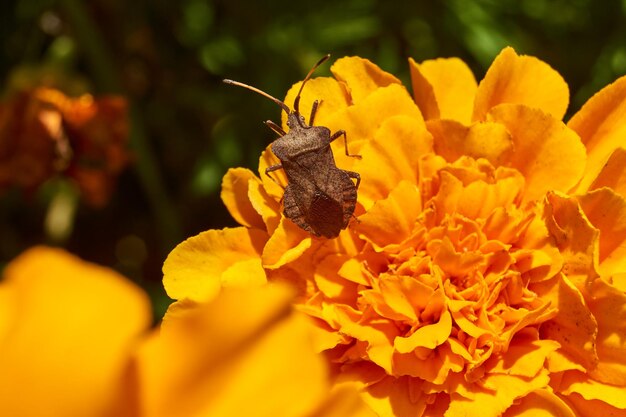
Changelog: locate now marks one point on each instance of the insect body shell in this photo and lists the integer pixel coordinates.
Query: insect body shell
(319, 197)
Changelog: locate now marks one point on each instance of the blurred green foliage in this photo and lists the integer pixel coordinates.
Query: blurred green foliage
(188, 128)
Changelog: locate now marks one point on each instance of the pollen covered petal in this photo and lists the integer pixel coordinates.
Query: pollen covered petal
(443, 88)
(526, 80)
(195, 268)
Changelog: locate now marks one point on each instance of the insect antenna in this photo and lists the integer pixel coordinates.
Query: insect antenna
(296, 102)
(263, 93)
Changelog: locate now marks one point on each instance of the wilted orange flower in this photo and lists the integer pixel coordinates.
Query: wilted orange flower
(74, 341)
(44, 132)
(485, 273)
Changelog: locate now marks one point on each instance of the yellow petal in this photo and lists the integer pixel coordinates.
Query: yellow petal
(361, 76)
(443, 89)
(498, 393)
(606, 211)
(330, 94)
(287, 244)
(548, 153)
(429, 336)
(524, 357)
(392, 397)
(593, 408)
(521, 80)
(613, 173)
(195, 268)
(452, 140)
(391, 157)
(540, 403)
(574, 327)
(578, 382)
(602, 128)
(575, 237)
(243, 354)
(71, 333)
(391, 221)
(234, 194)
(267, 207)
(362, 120)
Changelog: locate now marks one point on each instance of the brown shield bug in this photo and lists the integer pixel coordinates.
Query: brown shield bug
(319, 197)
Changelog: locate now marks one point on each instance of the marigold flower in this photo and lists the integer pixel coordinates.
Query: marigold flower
(44, 132)
(485, 272)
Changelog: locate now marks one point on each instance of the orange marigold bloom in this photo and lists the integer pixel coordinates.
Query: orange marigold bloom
(44, 132)
(485, 273)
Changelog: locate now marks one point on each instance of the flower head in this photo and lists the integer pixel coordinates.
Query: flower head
(43, 132)
(483, 273)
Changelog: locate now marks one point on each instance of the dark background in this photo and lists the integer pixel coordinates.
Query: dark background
(187, 128)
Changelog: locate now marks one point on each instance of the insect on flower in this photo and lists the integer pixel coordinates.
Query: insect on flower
(319, 197)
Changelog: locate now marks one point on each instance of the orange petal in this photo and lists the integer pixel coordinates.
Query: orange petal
(266, 206)
(497, 394)
(540, 403)
(575, 237)
(235, 185)
(573, 327)
(361, 121)
(391, 157)
(275, 182)
(602, 128)
(524, 357)
(392, 397)
(579, 383)
(606, 211)
(548, 153)
(258, 361)
(443, 89)
(608, 306)
(613, 173)
(195, 268)
(593, 408)
(361, 76)
(391, 221)
(70, 336)
(452, 140)
(521, 80)
(287, 244)
(429, 336)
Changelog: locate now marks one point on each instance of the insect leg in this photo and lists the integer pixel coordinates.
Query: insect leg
(277, 129)
(272, 169)
(354, 175)
(345, 141)
(316, 104)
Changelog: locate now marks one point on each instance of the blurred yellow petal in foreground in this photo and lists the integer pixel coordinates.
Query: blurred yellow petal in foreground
(74, 341)
(68, 328)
